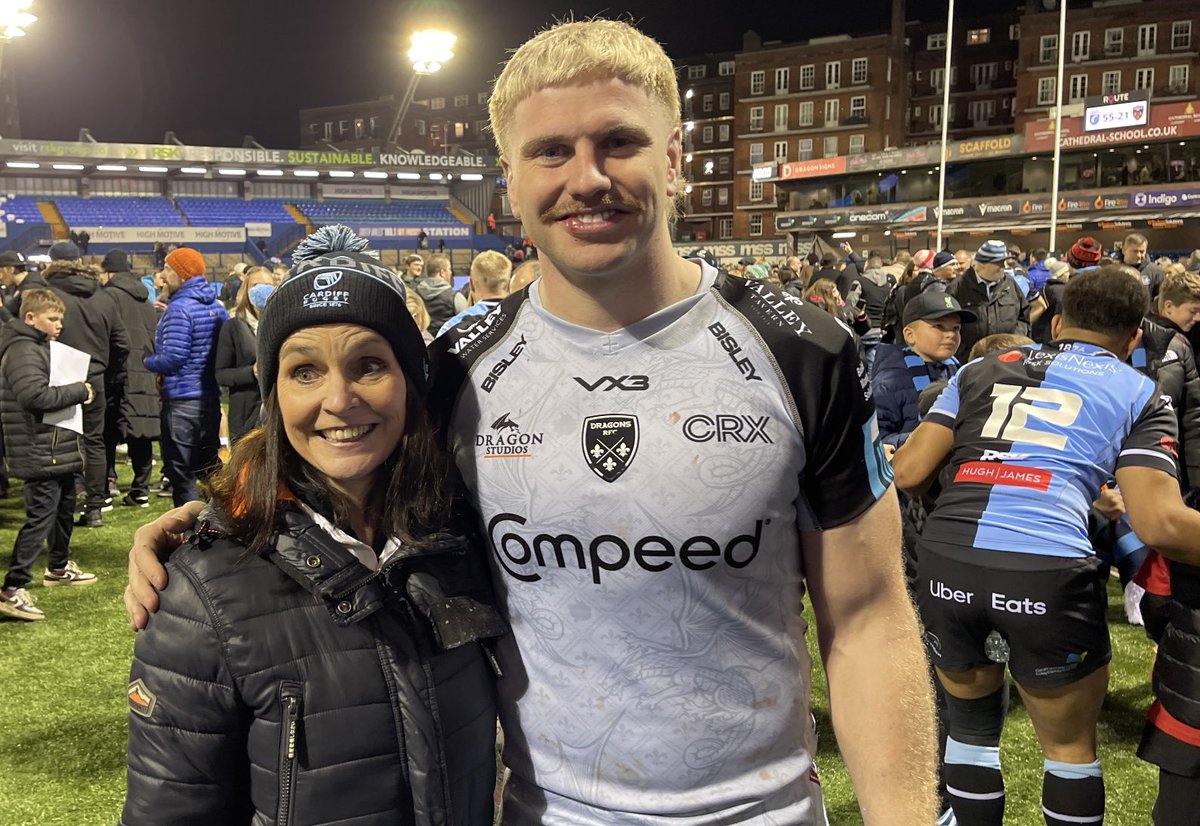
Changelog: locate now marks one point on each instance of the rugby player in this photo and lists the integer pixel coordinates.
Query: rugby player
(1006, 574)
(665, 460)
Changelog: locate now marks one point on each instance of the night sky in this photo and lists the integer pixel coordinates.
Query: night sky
(215, 70)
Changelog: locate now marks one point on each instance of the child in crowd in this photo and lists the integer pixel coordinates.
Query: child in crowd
(45, 456)
(932, 321)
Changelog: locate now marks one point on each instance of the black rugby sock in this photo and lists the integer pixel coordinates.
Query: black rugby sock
(1072, 793)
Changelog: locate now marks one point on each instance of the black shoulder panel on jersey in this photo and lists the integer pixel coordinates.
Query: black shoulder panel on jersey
(452, 355)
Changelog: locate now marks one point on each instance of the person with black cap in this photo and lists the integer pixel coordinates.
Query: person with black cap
(16, 277)
(92, 323)
(942, 269)
(322, 646)
(989, 291)
(133, 406)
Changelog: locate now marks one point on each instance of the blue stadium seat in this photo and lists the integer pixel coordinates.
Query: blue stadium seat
(104, 211)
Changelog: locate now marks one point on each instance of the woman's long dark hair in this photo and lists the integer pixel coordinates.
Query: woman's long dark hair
(415, 502)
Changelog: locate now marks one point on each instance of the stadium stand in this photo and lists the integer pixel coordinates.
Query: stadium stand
(368, 212)
(219, 212)
(20, 209)
(118, 212)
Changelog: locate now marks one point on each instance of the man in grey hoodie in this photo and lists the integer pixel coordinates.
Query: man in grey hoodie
(436, 289)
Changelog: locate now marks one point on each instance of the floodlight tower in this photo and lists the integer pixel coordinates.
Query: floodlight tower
(430, 50)
(14, 19)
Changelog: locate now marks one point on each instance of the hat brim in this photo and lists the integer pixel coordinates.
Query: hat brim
(966, 316)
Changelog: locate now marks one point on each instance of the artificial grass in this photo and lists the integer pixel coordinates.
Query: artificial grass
(63, 708)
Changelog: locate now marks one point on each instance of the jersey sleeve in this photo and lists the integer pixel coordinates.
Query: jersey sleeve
(945, 409)
(1152, 441)
(845, 469)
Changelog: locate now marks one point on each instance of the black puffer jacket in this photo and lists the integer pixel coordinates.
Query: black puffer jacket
(303, 688)
(236, 355)
(1005, 311)
(91, 323)
(1169, 360)
(33, 450)
(136, 399)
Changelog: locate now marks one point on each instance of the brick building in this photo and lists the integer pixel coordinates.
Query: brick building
(706, 89)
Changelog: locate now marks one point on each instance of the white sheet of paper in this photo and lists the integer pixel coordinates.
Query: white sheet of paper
(67, 366)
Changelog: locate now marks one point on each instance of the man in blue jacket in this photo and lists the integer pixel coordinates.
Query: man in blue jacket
(185, 347)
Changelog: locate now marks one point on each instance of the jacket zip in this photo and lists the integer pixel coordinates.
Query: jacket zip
(291, 697)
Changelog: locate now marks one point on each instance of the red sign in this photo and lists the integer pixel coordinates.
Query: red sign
(815, 168)
(991, 473)
(1168, 121)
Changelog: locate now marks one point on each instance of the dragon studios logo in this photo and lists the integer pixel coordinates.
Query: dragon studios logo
(507, 441)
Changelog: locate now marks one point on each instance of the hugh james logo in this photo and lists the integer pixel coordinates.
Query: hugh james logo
(609, 444)
(323, 294)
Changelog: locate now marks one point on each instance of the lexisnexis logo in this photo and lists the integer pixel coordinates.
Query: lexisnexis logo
(523, 558)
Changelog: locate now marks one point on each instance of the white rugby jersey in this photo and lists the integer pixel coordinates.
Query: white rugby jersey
(642, 493)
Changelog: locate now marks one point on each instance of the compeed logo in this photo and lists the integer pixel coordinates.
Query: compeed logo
(141, 699)
(610, 444)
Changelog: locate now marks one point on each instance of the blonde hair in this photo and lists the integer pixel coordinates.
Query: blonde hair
(241, 305)
(40, 301)
(826, 295)
(570, 52)
(1178, 288)
(416, 308)
(491, 271)
(997, 342)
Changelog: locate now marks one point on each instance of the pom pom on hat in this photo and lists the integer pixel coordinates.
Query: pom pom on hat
(992, 252)
(923, 259)
(186, 262)
(1085, 252)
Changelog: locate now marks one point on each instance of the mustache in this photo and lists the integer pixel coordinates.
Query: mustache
(571, 207)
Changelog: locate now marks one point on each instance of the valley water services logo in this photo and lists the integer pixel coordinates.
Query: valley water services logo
(610, 444)
(323, 294)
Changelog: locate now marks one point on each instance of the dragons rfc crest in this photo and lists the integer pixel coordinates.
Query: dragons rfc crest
(609, 444)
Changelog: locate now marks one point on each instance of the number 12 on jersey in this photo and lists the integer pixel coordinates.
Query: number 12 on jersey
(1013, 406)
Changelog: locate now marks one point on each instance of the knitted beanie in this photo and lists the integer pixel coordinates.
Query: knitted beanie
(186, 262)
(923, 259)
(942, 259)
(992, 252)
(333, 281)
(1084, 253)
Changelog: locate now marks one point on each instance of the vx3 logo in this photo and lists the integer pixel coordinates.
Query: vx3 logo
(607, 383)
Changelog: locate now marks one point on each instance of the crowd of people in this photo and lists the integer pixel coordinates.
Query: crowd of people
(587, 496)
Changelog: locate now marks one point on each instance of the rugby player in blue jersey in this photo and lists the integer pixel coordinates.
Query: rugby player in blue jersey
(1024, 439)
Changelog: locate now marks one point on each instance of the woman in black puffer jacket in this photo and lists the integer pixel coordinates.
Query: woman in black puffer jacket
(236, 351)
(319, 652)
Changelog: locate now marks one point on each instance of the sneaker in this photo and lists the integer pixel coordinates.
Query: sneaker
(1133, 603)
(19, 605)
(113, 490)
(164, 488)
(70, 575)
(947, 819)
(91, 519)
(136, 500)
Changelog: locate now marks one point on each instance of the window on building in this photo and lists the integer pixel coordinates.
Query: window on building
(723, 196)
(1078, 87)
(707, 103)
(978, 37)
(858, 71)
(421, 127)
(1144, 79)
(756, 118)
(806, 113)
(804, 149)
(1110, 83)
(935, 114)
(1148, 39)
(781, 117)
(1014, 31)
(1048, 48)
(981, 111)
(756, 225)
(360, 128)
(1114, 42)
(756, 153)
(858, 106)
(725, 229)
(461, 101)
(725, 68)
(437, 103)
(723, 133)
(935, 41)
(936, 77)
(857, 144)
(983, 74)
(329, 129)
(758, 82)
(481, 127)
(723, 101)
(708, 167)
(481, 98)
(832, 111)
(780, 152)
(706, 196)
(1081, 46)
(343, 128)
(697, 72)
(782, 76)
(723, 165)
(1046, 92)
(829, 148)
(1181, 35)
(756, 190)
(706, 135)
(808, 76)
(1177, 79)
(833, 75)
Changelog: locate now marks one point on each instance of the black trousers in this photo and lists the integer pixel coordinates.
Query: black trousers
(95, 468)
(1176, 803)
(49, 515)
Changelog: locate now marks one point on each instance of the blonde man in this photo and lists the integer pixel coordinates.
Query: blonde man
(490, 275)
(665, 460)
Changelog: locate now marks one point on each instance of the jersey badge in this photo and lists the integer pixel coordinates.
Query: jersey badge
(1010, 356)
(610, 444)
(141, 699)
(507, 440)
